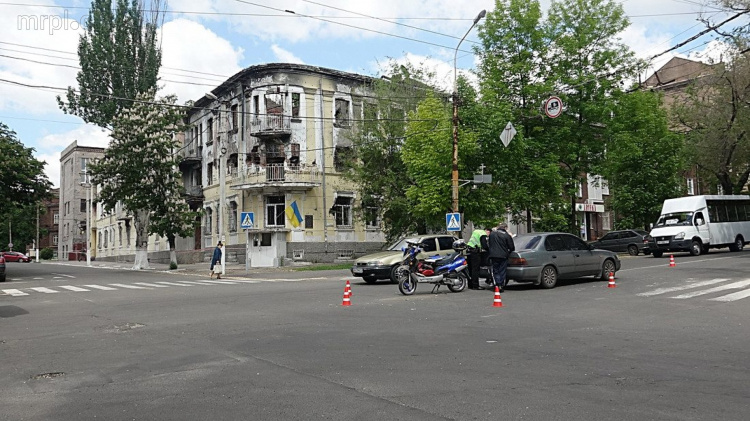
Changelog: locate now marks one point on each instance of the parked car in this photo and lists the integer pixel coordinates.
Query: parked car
(631, 241)
(2, 268)
(543, 258)
(14, 256)
(382, 265)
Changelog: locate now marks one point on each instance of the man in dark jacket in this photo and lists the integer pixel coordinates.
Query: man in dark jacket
(501, 245)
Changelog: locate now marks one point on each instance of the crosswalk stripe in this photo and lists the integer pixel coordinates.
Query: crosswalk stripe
(221, 282)
(681, 287)
(45, 290)
(733, 296)
(128, 286)
(194, 282)
(72, 288)
(146, 284)
(103, 288)
(734, 285)
(15, 292)
(173, 284)
(246, 281)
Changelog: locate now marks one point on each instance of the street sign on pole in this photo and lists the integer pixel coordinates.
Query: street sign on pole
(507, 135)
(453, 221)
(553, 107)
(247, 220)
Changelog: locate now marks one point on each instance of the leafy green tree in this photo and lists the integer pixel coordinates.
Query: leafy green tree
(644, 160)
(140, 171)
(22, 179)
(119, 57)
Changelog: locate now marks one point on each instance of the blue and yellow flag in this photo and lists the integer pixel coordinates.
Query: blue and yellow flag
(292, 213)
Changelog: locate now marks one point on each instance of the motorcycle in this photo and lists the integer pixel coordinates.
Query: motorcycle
(447, 271)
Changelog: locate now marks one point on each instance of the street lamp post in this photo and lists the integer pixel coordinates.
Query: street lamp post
(87, 184)
(454, 175)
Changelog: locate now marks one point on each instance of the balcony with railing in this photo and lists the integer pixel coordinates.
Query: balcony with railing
(270, 125)
(190, 158)
(278, 176)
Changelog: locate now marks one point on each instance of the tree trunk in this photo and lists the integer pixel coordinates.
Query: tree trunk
(140, 221)
(172, 250)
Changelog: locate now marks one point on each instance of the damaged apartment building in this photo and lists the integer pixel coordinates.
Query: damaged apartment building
(262, 161)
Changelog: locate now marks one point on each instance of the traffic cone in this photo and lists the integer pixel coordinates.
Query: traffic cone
(498, 302)
(612, 280)
(346, 302)
(671, 261)
(349, 288)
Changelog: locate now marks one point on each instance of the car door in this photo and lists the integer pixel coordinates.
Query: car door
(627, 238)
(445, 245)
(609, 241)
(586, 262)
(560, 256)
(429, 247)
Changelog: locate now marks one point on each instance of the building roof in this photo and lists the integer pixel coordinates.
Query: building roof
(676, 71)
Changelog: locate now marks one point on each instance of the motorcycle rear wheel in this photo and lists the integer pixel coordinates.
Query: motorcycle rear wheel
(463, 280)
(406, 285)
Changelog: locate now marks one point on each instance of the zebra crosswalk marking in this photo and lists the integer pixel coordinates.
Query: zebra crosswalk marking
(733, 296)
(195, 282)
(128, 286)
(681, 287)
(45, 290)
(734, 285)
(222, 282)
(146, 284)
(103, 288)
(72, 288)
(14, 292)
(173, 284)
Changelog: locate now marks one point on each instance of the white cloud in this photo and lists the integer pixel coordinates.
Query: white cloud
(285, 56)
(51, 145)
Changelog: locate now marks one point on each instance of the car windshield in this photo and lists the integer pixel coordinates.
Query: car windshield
(400, 244)
(674, 219)
(526, 241)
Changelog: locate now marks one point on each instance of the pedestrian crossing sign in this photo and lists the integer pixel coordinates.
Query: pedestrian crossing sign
(247, 220)
(453, 221)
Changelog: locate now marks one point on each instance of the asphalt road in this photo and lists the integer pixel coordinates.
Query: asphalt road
(84, 343)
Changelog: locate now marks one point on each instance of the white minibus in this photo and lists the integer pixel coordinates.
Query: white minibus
(697, 223)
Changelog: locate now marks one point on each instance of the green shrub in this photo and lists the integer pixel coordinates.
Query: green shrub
(172, 265)
(46, 253)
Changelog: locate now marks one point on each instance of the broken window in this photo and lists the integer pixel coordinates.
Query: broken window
(342, 158)
(274, 211)
(372, 214)
(210, 131)
(295, 105)
(232, 217)
(342, 211)
(210, 173)
(254, 156)
(294, 159)
(235, 127)
(274, 104)
(341, 113)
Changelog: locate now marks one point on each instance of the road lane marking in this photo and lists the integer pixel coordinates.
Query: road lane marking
(62, 274)
(173, 284)
(734, 296)
(221, 282)
(45, 290)
(194, 282)
(245, 281)
(681, 262)
(734, 285)
(681, 287)
(72, 288)
(103, 288)
(146, 284)
(15, 292)
(128, 286)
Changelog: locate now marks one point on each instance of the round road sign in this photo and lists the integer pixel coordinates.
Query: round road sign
(553, 107)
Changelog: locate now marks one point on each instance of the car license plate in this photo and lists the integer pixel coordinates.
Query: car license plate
(662, 242)
(357, 270)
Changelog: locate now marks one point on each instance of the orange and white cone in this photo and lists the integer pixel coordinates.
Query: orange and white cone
(671, 261)
(498, 301)
(346, 302)
(349, 288)
(612, 280)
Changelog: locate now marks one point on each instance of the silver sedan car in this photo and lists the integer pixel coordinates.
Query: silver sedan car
(543, 258)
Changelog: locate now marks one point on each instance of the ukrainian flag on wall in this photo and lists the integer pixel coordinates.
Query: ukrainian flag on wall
(292, 213)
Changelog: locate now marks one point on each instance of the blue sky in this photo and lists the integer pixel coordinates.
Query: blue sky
(205, 41)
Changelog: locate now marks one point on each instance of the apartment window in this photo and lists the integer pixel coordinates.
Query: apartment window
(217, 212)
(232, 216)
(274, 104)
(234, 117)
(341, 114)
(342, 212)
(606, 221)
(372, 216)
(210, 131)
(55, 239)
(342, 158)
(256, 104)
(295, 105)
(56, 218)
(83, 205)
(209, 220)
(275, 211)
(84, 165)
(690, 186)
(210, 173)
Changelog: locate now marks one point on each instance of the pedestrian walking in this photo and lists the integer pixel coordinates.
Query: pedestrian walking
(216, 262)
(501, 245)
(476, 247)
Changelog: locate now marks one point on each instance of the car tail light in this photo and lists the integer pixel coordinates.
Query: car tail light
(517, 261)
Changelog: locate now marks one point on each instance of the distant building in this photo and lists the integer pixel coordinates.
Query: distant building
(49, 223)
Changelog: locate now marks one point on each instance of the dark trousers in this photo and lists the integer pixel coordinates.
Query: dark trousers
(499, 267)
(474, 261)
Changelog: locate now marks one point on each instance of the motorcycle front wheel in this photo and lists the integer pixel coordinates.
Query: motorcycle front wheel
(463, 280)
(406, 285)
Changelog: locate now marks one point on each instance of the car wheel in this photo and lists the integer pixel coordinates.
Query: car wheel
(738, 245)
(695, 248)
(370, 279)
(549, 277)
(633, 250)
(463, 280)
(607, 268)
(657, 254)
(395, 274)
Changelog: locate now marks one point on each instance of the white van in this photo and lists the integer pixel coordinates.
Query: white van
(697, 223)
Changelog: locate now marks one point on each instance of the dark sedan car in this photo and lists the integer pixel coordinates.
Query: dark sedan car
(631, 241)
(545, 257)
(14, 256)
(2, 268)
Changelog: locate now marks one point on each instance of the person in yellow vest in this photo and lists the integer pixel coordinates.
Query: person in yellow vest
(476, 246)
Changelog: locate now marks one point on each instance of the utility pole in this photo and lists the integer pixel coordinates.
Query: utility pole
(36, 244)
